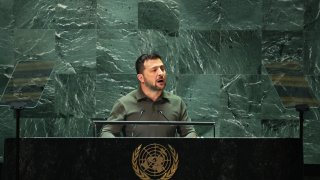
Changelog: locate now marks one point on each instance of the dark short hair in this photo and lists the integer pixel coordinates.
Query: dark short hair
(141, 59)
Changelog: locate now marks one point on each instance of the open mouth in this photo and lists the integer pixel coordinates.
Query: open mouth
(160, 81)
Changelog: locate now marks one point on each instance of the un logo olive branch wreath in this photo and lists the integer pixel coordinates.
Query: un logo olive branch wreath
(135, 167)
(169, 172)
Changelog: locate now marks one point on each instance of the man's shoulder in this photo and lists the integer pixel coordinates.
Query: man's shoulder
(131, 96)
(172, 97)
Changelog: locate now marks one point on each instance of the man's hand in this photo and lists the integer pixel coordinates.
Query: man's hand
(107, 135)
(192, 135)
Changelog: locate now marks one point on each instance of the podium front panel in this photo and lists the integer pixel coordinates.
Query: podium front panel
(156, 158)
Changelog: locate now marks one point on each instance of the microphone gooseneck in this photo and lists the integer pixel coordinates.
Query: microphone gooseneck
(134, 127)
(161, 112)
(141, 112)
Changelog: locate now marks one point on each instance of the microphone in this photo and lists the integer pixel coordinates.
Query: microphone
(161, 112)
(134, 127)
(141, 112)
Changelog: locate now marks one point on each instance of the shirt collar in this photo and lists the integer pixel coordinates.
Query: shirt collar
(141, 96)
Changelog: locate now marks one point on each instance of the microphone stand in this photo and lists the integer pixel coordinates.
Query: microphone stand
(17, 107)
(301, 108)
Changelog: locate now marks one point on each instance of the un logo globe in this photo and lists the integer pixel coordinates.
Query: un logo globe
(155, 161)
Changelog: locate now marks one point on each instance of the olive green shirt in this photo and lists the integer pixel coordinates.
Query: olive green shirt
(136, 106)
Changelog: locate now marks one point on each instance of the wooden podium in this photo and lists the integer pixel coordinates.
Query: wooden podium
(156, 158)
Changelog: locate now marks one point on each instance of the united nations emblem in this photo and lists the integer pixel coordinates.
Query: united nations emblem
(154, 161)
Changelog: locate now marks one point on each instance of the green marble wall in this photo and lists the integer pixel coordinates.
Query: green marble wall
(215, 50)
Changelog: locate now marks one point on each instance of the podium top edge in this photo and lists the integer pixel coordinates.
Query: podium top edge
(154, 122)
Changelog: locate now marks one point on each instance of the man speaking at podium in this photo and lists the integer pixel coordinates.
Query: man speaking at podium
(150, 102)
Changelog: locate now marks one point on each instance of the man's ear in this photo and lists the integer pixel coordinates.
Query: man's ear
(140, 77)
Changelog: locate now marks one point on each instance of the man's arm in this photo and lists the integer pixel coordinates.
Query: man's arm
(117, 114)
(187, 131)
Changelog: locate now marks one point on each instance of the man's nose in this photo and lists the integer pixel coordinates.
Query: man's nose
(160, 71)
